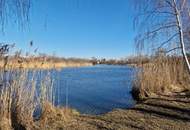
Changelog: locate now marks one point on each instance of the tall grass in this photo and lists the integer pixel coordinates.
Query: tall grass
(162, 75)
(21, 93)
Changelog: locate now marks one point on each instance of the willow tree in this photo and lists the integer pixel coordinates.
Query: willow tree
(163, 24)
(14, 11)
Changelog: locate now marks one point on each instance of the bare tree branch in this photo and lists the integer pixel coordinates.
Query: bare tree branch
(160, 28)
(173, 49)
(16, 11)
(170, 4)
(165, 42)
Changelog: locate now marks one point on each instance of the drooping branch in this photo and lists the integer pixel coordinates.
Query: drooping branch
(170, 4)
(160, 29)
(165, 42)
(16, 11)
(149, 34)
(173, 49)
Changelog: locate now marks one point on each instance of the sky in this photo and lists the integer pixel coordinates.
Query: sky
(77, 28)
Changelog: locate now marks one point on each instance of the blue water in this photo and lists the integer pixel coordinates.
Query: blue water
(96, 89)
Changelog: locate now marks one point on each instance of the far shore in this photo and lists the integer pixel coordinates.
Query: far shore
(51, 64)
(43, 65)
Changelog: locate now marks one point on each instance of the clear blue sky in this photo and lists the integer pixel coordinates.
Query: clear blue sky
(78, 28)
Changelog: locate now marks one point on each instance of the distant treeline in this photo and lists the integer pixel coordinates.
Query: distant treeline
(125, 61)
(133, 60)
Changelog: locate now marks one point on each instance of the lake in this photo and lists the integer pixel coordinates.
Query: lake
(95, 89)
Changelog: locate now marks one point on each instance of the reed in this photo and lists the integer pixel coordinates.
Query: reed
(21, 93)
(39, 62)
(162, 75)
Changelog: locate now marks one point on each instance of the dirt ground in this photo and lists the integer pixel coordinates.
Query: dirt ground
(165, 113)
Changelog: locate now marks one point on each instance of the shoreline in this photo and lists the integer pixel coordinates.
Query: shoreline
(159, 113)
(151, 114)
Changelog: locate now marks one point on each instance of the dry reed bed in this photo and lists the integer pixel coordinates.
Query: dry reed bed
(161, 76)
(22, 93)
(43, 65)
(19, 97)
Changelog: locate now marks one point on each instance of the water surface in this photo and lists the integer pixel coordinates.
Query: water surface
(96, 89)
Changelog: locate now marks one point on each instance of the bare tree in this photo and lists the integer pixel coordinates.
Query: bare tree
(163, 24)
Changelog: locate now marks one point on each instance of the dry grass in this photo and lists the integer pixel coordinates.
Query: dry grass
(53, 118)
(21, 93)
(35, 63)
(24, 88)
(161, 76)
(19, 97)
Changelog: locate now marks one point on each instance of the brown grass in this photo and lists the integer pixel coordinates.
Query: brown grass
(21, 93)
(19, 99)
(46, 63)
(161, 76)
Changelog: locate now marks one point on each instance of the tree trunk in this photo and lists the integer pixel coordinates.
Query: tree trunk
(181, 35)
